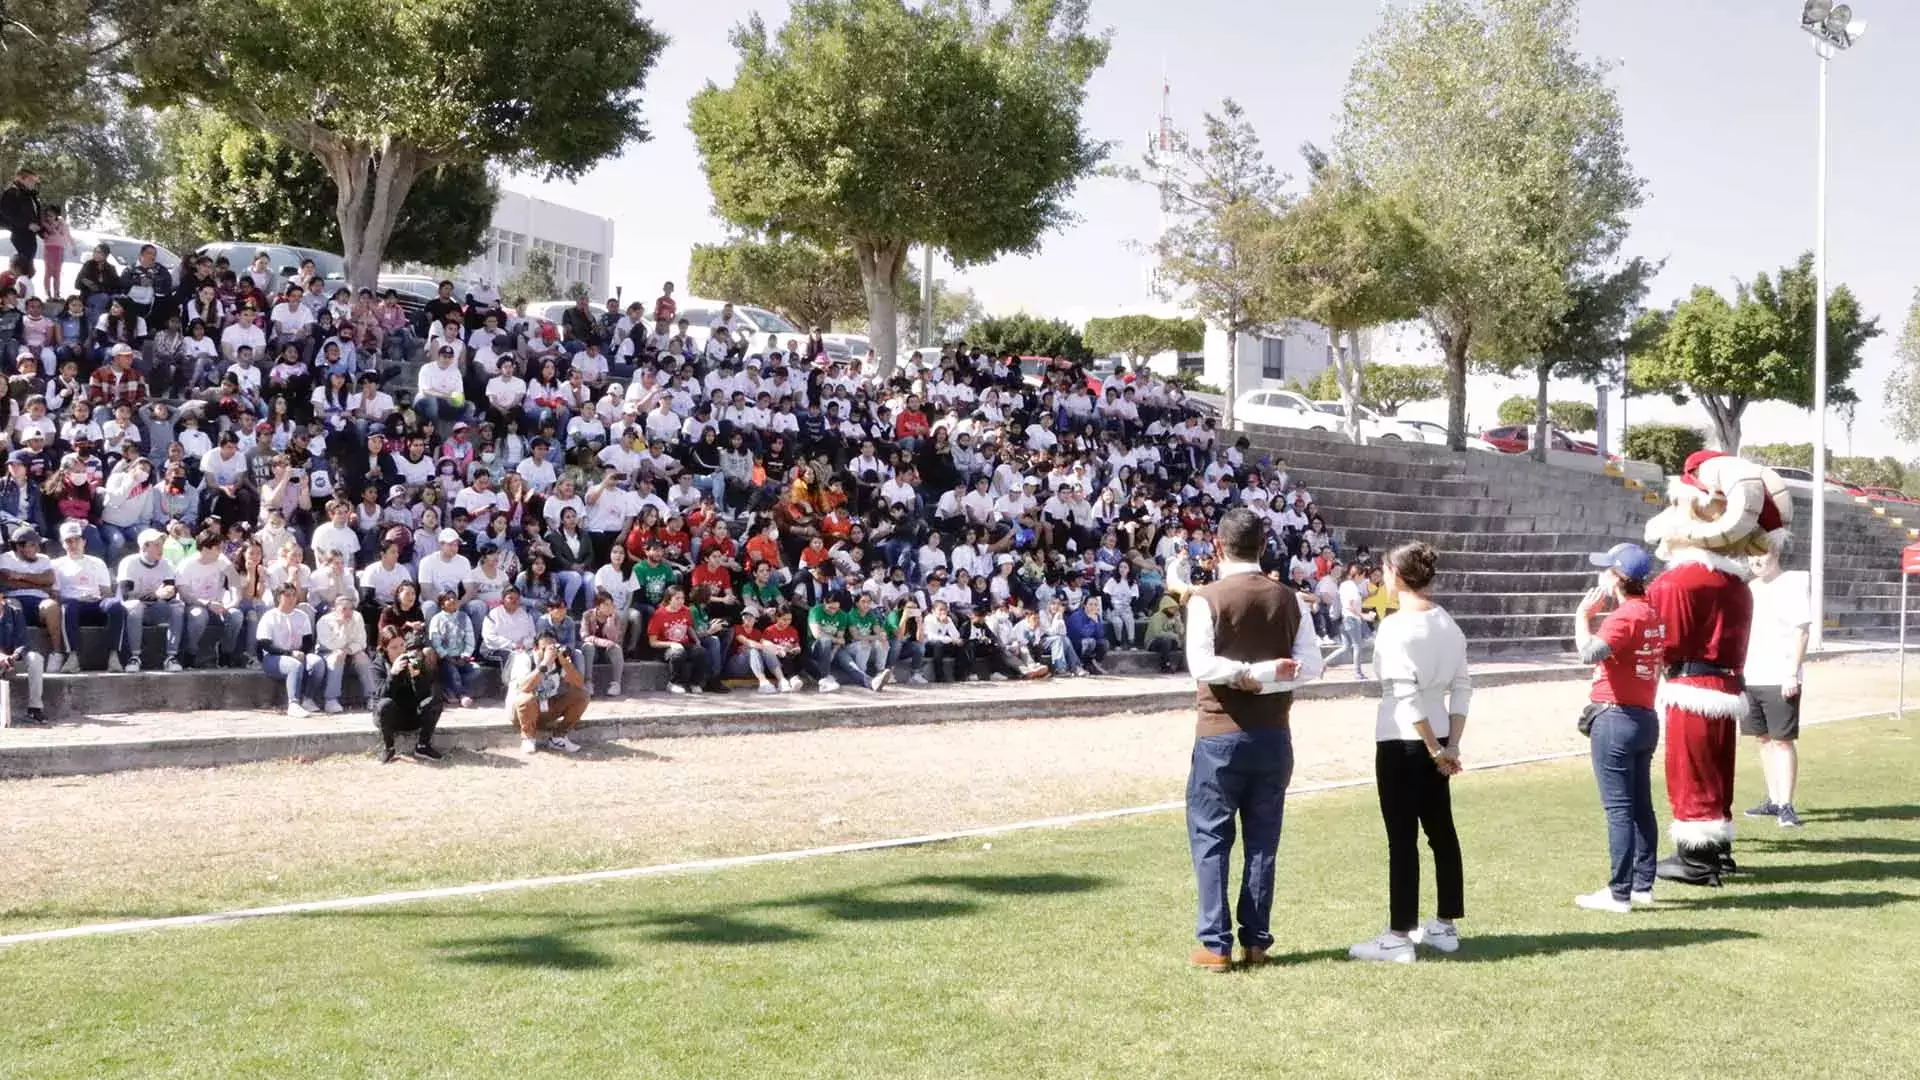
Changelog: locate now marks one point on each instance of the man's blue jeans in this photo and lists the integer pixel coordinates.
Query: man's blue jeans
(73, 612)
(232, 620)
(1240, 776)
(1624, 739)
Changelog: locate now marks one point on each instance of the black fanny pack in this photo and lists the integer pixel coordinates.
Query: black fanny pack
(1587, 716)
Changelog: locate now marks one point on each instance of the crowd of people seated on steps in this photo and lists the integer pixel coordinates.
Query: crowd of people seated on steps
(738, 508)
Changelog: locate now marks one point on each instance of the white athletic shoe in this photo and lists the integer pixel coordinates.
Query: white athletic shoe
(829, 684)
(54, 660)
(1602, 901)
(310, 705)
(1641, 899)
(1436, 935)
(917, 679)
(788, 686)
(113, 661)
(335, 707)
(675, 688)
(696, 689)
(564, 744)
(296, 710)
(1388, 948)
(613, 689)
(529, 746)
(881, 680)
(766, 687)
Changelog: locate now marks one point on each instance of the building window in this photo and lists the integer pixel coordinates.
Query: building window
(1191, 362)
(1273, 358)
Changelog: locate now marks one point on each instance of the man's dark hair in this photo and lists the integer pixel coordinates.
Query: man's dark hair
(1243, 534)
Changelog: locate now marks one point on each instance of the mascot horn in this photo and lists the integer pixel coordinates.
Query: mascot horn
(1724, 509)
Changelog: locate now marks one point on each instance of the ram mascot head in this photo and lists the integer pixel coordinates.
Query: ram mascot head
(1725, 505)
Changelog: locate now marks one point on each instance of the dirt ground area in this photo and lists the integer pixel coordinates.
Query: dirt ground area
(168, 841)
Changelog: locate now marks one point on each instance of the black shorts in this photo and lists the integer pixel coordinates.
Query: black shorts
(1772, 713)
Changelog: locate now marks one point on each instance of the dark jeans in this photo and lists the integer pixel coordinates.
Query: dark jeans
(1624, 739)
(1242, 775)
(1414, 795)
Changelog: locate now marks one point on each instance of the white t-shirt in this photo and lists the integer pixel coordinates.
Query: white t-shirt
(146, 579)
(1781, 609)
(441, 381)
(438, 575)
(341, 538)
(83, 578)
(1350, 598)
(11, 562)
(488, 589)
(203, 582)
(383, 581)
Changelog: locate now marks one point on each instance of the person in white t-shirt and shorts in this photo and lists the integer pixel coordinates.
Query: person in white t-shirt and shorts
(1776, 655)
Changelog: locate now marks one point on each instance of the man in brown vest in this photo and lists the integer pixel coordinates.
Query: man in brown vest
(1248, 643)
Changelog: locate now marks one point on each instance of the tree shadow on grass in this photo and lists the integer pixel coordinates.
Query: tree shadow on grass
(1836, 845)
(1898, 812)
(1492, 948)
(761, 922)
(616, 751)
(1792, 899)
(1843, 870)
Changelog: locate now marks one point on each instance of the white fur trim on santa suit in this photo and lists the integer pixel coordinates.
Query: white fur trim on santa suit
(1712, 560)
(1702, 834)
(1701, 700)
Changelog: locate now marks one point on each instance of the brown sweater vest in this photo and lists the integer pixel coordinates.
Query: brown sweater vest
(1254, 619)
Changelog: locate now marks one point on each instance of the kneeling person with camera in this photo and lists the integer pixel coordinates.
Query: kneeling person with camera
(545, 692)
(404, 695)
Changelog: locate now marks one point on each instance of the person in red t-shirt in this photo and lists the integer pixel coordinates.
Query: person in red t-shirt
(713, 573)
(670, 631)
(1625, 652)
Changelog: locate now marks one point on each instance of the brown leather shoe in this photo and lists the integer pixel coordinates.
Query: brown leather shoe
(1208, 960)
(1253, 956)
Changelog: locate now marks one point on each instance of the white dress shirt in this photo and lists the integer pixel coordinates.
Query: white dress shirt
(1208, 666)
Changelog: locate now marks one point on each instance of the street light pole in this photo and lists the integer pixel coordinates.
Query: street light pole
(1816, 630)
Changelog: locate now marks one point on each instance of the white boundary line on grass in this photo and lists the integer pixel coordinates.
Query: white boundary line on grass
(348, 903)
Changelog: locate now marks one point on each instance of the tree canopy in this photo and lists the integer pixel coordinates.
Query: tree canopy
(808, 284)
(533, 281)
(1222, 199)
(1903, 385)
(939, 122)
(1028, 335)
(88, 162)
(1506, 146)
(1756, 347)
(1585, 343)
(389, 90)
(1140, 336)
(225, 180)
(1385, 388)
(1565, 415)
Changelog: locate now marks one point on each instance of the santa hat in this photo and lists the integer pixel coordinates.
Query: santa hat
(1756, 499)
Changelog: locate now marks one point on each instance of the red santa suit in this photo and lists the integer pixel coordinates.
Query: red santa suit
(1725, 510)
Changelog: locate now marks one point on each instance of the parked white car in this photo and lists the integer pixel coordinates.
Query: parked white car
(1372, 424)
(1436, 434)
(755, 322)
(1281, 409)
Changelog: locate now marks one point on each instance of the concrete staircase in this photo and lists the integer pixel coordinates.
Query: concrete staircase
(1513, 535)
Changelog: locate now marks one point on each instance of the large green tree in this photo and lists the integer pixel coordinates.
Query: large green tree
(533, 281)
(1758, 346)
(1138, 337)
(1903, 385)
(1028, 335)
(385, 91)
(1585, 342)
(224, 180)
(1222, 199)
(1506, 146)
(90, 163)
(61, 61)
(953, 310)
(809, 284)
(1348, 259)
(938, 122)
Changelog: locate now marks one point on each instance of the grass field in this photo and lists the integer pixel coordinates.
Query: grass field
(1061, 953)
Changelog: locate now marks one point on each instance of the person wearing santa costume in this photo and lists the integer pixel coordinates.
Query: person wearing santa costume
(1724, 510)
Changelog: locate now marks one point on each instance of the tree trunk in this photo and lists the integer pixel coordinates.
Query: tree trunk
(1725, 414)
(1541, 422)
(1455, 346)
(1229, 385)
(880, 262)
(372, 184)
(1346, 374)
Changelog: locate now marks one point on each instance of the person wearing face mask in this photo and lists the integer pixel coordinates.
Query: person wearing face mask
(1625, 650)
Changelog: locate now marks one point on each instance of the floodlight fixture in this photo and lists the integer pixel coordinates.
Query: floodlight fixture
(1831, 24)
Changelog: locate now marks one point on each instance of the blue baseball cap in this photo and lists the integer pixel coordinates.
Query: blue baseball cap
(1631, 560)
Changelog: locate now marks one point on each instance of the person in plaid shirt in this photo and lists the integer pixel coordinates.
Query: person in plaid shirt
(114, 383)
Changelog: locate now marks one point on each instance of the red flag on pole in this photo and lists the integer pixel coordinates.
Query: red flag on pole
(1910, 559)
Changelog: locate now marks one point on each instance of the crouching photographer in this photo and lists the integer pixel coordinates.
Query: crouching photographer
(405, 692)
(545, 692)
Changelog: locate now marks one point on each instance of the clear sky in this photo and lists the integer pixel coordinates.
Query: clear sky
(1720, 104)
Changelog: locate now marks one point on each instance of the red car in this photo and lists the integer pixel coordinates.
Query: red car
(1516, 438)
(1889, 495)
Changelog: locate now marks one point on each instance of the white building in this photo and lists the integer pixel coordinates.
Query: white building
(581, 245)
(1296, 354)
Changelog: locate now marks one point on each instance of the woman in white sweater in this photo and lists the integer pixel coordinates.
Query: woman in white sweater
(1421, 658)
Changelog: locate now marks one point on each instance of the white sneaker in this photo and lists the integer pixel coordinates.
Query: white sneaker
(132, 667)
(564, 744)
(675, 688)
(1641, 899)
(917, 679)
(334, 707)
(1388, 948)
(310, 705)
(296, 710)
(613, 689)
(1602, 901)
(829, 684)
(790, 685)
(172, 667)
(696, 689)
(529, 746)
(766, 687)
(113, 661)
(881, 680)
(54, 660)
(1436, 935)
